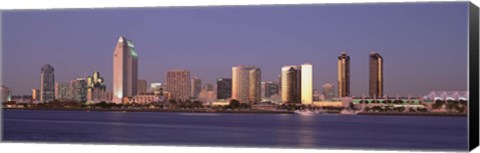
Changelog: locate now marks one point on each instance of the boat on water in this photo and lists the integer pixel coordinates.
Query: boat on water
(307, 112)
(349, 112)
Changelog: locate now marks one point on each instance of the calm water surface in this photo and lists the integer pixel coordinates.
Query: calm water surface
(253, 130)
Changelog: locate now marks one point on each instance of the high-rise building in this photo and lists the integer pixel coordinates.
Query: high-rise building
(125, 70)
(207, 87)
(96, 89)
(5, 94)
(246, 84)
(47, 83)
(376, 75)
(35, 95)
(79, 90)
(343, 75)
(196, 87)
(224, 88)
(63, 91)
(269, 88)
(306, 80)
(290, 84)
(178, 84)
(142, 87)
(207, 94)
(328, 91)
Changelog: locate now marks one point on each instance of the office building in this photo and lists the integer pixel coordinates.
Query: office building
(142, 87)
(178, 84)
(35, 95)
(63, 91)
(125, 70)
(343, 75)
(79, 90)
(47, 83)
(376, 75)
(224, 88)
(196, 87)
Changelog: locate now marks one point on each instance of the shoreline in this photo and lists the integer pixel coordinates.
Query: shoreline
(160, 110)
(239, 111)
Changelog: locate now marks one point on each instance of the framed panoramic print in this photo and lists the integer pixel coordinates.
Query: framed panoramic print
(381, 76)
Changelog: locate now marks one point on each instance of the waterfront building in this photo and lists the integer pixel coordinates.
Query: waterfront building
(63, 91)
(224, 88)
(306, 83)
(297, 84)
(196, 87)
(343, 75)
(79, 90)
(142, 87)
(328, 91)
(446, 95)
(178, 84)
(5, 94)
(35, 95)
(125, 70)
(96, 89)
(291, 84)
(376, 75)
(47, 83)
(269, 88)
(246, 84)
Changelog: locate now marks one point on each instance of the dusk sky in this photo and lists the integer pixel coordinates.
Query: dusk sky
(424, 45)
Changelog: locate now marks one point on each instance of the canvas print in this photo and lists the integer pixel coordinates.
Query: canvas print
(345, 76)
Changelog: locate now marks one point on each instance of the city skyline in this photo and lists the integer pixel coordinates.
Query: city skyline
(422, 73)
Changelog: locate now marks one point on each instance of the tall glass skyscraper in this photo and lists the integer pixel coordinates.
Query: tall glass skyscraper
(246, 84)
(376, 75)
(47, 83)
(343, 75)
(125, 70)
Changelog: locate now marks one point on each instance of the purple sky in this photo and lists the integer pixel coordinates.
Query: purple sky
(424, 45)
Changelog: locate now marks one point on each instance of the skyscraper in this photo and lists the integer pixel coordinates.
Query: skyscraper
(376, 75)
(246, 84)
(196, 87)
(178, 84)
(291, 84)
(79, 90)
(224, 88)
(328, 91)
(343, 75)
(125, 70)
(142, 86)
(47, 84)
(297, 84)
(306, 85)
(63, 91)
(96, 90)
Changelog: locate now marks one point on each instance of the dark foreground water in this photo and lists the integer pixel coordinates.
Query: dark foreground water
(253, 130)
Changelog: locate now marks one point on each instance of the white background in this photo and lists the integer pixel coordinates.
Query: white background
(84, 148)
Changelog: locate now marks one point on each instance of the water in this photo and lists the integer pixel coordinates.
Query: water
(252, 130)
